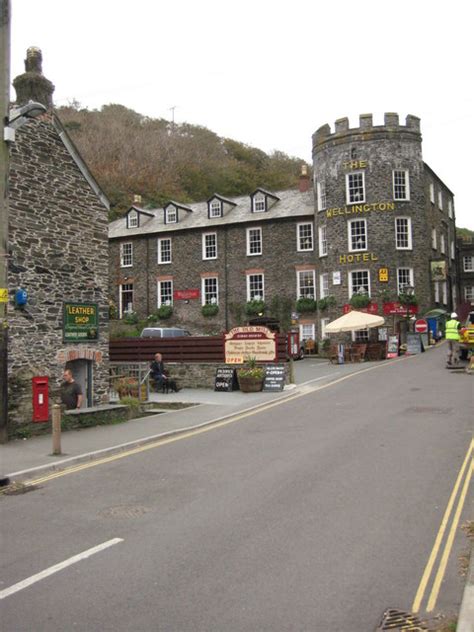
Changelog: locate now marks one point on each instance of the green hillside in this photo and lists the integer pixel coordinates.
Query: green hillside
(133, 154)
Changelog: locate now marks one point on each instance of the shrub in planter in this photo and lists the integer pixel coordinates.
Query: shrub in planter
(407, 299)
(251, 376)
(131, 318)
(327, 301)
(253, 308)
(306, 305)
(360, 300)
(209, 309)
(164, 312)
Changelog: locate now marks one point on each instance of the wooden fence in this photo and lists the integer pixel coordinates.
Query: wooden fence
(182, 349)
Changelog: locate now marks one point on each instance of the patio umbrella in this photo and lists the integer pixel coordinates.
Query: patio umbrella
(354, 320)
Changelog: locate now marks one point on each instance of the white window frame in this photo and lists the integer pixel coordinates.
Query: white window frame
(440, 200)
(321, 195)
(402, 286)
(444, 292)
(161, 251)
(259, 203)
(442, 244)
(399, 233)
(452, 249)
(351, 196)
(250, 241)
(468, 263)
(126, 258)
(215, 209)
(432, 193)
(160, 285)
(206, 248)
(301, 287)
(261, 291)
(324, 284)
(322, 240)
(436, 291)
(353, 290)
(132, 219)
(307, 332)
(450, 208)
(205, 298)
(122, 290)
(324, 323)
(303, 234)
(469, 293)
(434, 239)
(396, 173)
(350, 224)
(171, 215)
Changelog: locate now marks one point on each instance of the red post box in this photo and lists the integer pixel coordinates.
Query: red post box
(293, 344)
(40, 398)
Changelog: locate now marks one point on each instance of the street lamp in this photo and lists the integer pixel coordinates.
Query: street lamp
(409, 291)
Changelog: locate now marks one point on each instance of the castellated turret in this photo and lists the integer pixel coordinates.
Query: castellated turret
(378, 217)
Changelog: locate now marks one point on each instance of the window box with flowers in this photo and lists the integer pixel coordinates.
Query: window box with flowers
(360, 300)
(305, 305)
(164, 312)
(326, 302)
(209, 310)
(255, 307)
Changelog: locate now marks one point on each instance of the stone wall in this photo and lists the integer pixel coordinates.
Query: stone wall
(58, 252)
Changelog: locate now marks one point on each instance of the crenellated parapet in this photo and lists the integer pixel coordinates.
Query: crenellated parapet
(367, 128)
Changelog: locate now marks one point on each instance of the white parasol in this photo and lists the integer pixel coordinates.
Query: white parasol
(354, 320)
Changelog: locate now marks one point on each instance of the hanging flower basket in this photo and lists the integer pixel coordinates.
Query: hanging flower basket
(254, 308)
(209, 310)
(306, 305)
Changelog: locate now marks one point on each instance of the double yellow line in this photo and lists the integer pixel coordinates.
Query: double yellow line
(452, 514)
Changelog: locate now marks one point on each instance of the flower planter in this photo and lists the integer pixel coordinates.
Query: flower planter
(250, 384)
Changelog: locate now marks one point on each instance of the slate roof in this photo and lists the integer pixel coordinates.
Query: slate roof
(291, 204)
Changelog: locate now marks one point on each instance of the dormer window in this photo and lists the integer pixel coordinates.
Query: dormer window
(132, 220)
(259, 203)
(215, 209)
(171, 215)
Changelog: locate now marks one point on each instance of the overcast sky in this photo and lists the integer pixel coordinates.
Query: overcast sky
(268, 72)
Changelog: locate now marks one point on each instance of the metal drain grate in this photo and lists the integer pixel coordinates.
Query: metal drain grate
(400, 620)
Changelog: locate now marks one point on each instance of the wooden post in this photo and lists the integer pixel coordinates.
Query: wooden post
(56, 429)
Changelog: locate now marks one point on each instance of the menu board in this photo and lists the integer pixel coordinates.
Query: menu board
(274, 377)
(414, 344)
(392, 347)
(226, 379)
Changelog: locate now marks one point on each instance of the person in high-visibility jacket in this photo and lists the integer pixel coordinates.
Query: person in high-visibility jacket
(452, 336)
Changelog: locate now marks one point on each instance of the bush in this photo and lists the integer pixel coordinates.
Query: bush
(251, 369)
(327, 301)
(306, 305)
(131, 318)
(209, 309)
(360, 300)
(407, 299)
(164, 312)
(254, 308)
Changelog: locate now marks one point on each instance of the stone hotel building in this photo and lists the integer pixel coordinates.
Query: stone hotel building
(378, 222)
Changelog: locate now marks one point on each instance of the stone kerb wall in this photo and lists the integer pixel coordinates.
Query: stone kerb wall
(58, 243)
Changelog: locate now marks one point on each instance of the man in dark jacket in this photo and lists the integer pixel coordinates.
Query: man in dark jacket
(158, 375)
(71, 392)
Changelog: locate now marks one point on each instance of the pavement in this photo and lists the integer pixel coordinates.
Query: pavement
(26, 459)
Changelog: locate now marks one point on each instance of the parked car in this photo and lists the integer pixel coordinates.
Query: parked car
(163, 332)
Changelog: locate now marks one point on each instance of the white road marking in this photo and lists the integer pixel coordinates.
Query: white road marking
(57, 567)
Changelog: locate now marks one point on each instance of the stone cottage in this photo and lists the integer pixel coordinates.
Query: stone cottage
(57, 263)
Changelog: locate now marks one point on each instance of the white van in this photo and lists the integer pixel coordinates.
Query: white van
(163, 332)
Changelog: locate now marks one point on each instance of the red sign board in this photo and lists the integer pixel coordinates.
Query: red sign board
(421, 326)
(372, 308)
(184, 295)
(398, 309)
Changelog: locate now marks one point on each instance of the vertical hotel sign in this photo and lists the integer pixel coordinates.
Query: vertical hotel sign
(80, 322)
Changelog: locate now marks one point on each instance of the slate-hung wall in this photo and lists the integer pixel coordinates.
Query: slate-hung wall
(276, 264)
(58, 247)
(374, 211)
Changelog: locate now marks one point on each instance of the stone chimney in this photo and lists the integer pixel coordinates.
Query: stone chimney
(33, 85)
(304, 179)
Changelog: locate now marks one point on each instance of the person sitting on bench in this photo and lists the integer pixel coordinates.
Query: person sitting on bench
(159, 377)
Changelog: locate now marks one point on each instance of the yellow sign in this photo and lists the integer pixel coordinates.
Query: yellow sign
(3, 295)
(363, 257)
(360, 208)
(383, 275)
(355, 164)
